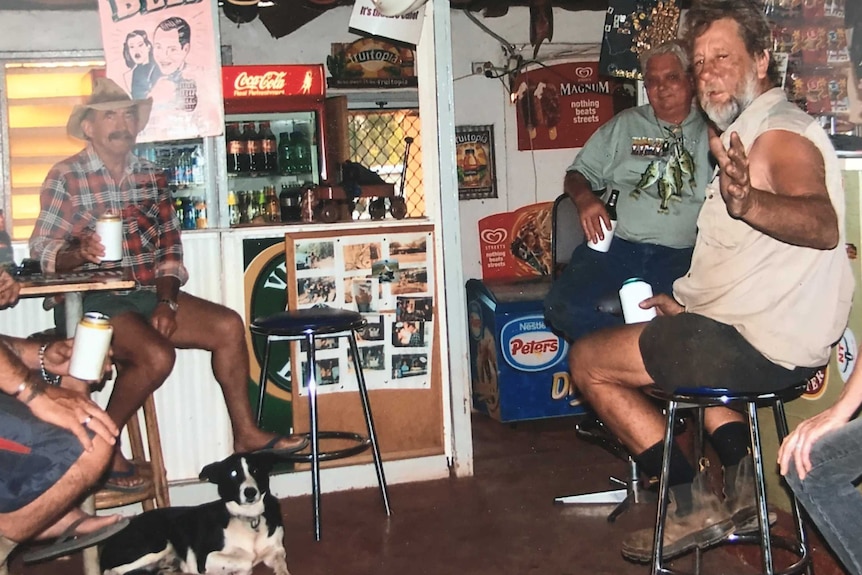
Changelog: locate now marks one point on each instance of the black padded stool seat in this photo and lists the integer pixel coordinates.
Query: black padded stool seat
(700, 398)
(305, 325)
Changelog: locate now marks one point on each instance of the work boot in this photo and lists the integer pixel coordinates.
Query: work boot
(741, 497)
(706, 523)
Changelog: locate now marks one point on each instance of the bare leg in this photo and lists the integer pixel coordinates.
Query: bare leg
(144, 361)
(224, 337)
(608, 370)
(50, 513)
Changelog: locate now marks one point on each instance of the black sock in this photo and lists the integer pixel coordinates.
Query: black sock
(681, 473)
(732, 442)
(649, 462)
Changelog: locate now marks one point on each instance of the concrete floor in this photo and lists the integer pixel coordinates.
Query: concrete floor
(502, 521)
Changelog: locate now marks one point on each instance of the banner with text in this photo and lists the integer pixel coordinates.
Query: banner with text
(516, 244)
(367, 19)
(166, 52)
(560, 106)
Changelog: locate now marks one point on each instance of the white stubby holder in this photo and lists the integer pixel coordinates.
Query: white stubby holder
(110, 230)
(605, 244)
(633, 292)
(90, 347)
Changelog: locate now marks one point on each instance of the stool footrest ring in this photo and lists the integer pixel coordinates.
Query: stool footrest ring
(362, 443)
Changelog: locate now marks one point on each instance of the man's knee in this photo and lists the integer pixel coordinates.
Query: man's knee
(224, 325)
(155, 356)
(579, 362)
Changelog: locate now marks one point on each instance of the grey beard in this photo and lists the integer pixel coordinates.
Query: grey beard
(723, 115)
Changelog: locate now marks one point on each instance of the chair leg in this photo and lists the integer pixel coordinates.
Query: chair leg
(369, 422)
(261, 392)
(760, 488)
(311, 382)
(157, 460)
(661, 513)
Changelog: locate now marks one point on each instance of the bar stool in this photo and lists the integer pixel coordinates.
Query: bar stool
(305, 325)
(700, 398)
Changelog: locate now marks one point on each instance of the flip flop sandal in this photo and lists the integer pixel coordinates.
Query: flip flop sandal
(272, 449)
(69, 541)
(132, 471)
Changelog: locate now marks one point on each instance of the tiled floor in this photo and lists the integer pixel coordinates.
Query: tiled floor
(502, 521)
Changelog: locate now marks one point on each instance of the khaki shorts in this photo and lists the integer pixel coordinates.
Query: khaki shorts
(111, 304)
(690, 351)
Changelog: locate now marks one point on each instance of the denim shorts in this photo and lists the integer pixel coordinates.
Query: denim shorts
(34, 454)
(689, 350)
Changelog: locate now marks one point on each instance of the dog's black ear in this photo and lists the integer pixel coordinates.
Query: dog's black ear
(211, 472)
(263, 461)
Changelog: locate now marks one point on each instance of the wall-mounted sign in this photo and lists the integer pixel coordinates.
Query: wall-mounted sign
(167, 52)
(561, 106)
(515, 245)
(371, 63)
(367, 19)
(474, 149)
(270, 81)
(632, 27)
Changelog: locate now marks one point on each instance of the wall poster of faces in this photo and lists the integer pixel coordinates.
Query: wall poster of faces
(387, 277)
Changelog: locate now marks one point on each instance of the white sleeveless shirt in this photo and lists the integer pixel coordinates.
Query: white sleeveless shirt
(791, 303)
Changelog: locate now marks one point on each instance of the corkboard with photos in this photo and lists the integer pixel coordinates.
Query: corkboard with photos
(814, 48)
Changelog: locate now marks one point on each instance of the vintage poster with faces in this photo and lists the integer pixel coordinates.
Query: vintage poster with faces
(166, 52)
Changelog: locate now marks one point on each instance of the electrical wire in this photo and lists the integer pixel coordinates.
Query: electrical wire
(508, 47)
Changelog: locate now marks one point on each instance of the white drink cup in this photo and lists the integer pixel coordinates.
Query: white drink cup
(90, 348)
(110, 230)
(633, 292)
(605, 244)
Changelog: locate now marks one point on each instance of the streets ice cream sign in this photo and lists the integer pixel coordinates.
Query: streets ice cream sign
(561, 106)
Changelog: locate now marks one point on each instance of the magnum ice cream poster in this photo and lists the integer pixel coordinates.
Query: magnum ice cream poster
(560, 106)
(167, 52)
(474, 149)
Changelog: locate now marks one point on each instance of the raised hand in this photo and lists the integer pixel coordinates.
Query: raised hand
(8, 289)
(734, 180)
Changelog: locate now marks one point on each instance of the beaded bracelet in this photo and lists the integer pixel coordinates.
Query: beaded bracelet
(47, 377)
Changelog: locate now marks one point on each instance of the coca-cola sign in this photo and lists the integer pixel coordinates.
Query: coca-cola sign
(269, 81)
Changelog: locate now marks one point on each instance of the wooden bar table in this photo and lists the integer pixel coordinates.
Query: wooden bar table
(72, 287)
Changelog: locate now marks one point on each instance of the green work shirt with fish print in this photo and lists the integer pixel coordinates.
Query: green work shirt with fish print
(660, 169)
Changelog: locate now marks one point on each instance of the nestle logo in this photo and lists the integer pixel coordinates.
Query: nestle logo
(528, 344)
(270, 81)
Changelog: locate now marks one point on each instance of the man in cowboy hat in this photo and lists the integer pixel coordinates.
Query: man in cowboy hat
(151, 322)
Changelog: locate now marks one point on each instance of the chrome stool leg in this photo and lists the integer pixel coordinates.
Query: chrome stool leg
(760, 488)
(663, 488)
(311, 383)
(261, 393)
(369, 422)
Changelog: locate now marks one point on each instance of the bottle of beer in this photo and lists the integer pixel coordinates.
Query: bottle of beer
(300, 149)
(232, 209)
(273, 209)
(604, 244)
(285, 163)
(252, 148)
(611, 206)
(269, 149)
(235, 149)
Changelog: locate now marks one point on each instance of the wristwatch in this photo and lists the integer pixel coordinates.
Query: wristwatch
(171, 304)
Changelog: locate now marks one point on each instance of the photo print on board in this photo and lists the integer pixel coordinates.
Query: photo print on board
(409, 365)
(315, 290)
(408, 334)
(314, 255)
(386, 271)
(411, 280)
(410, 250)
(372, 358)
(327, 376)
(414, 309)
(358, 257)
(373, 330)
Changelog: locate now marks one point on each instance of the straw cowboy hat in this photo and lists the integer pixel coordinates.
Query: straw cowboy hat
(107, 95)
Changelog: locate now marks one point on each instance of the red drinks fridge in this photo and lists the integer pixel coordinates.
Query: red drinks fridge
(275, 140)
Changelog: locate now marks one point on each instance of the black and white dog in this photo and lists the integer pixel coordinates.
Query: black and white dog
(230, 535)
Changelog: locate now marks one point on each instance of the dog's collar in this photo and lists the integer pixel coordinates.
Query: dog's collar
(254, 522)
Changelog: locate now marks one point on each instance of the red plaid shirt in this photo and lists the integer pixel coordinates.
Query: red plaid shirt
(80, 189)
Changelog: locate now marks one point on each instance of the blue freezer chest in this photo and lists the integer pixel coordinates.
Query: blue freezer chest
(519, 367)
